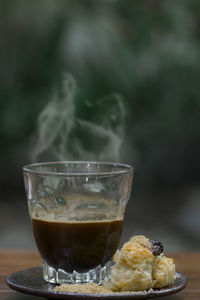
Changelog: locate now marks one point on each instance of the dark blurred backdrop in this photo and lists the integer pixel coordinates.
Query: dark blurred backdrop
(148, 52)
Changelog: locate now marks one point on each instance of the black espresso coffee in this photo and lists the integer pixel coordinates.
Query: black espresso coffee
(79, 246)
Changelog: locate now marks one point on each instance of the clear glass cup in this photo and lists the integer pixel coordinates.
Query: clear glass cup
(77, 211)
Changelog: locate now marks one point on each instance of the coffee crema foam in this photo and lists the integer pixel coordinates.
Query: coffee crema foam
(54, 220)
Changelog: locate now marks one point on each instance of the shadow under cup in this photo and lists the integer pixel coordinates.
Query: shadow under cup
(77, 211)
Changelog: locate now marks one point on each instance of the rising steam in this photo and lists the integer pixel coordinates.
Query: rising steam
(63, 135)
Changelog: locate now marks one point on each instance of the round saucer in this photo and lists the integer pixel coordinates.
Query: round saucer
(30, 281)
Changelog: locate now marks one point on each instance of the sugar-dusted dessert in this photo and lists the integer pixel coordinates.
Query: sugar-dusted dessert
(140, 265)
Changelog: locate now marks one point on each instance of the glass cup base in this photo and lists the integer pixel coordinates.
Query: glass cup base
(97, 275)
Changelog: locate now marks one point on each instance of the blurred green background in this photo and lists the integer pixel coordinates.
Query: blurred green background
(148, 52)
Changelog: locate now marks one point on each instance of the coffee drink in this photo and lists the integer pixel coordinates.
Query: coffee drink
(79, 246)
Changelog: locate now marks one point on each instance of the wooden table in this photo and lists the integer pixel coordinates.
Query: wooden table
(12, 261)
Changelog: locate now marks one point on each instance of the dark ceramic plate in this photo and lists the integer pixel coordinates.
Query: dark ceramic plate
(30, 281)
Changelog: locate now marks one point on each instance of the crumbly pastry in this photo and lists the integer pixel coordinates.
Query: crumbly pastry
(141, 265)
(163, 271)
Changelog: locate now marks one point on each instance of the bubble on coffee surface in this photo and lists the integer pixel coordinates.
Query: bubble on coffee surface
(33, 205)
(91, 206)
(36, 208)
(44, 191)
(40, 205)
(59, 201)
(94, 187)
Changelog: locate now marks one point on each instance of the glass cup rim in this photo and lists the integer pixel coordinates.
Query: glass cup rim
(125, 168)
